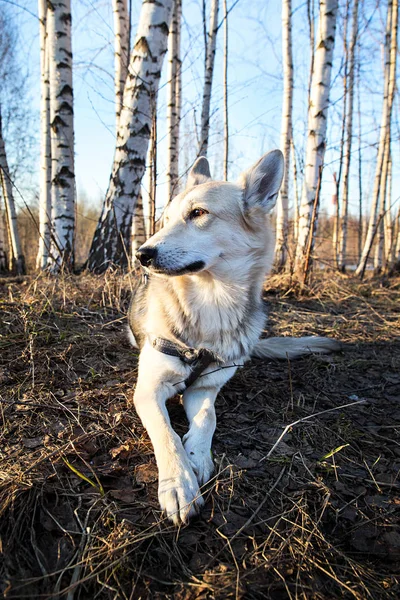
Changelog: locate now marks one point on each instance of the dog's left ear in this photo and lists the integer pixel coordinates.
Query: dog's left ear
(262, 181)
(199, 173)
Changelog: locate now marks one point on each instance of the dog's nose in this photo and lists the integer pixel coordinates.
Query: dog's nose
(146, 255)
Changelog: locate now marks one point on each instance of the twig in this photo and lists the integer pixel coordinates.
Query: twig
(284, 432)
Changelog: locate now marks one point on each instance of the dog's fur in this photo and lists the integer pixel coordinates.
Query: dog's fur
(204, 291)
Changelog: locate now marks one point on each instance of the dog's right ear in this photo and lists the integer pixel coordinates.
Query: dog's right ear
(262, 181)
(199, 173)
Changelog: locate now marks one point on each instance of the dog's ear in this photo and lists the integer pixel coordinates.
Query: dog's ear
(262, 181)
(199, 173)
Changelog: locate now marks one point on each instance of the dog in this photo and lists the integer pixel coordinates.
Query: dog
(197, 315)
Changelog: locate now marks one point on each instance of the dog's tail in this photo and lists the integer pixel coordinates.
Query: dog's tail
(288, 347)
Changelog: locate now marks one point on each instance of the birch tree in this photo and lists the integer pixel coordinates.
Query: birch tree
(17, 260)
(338, 177)
(317, 121)
(62, 135)
(389, 90)
(138, 227)
(349, 139)
(296, 195)
(111, 241)
(388, 222)
(153, 173)
(121, 52)
(225, 77)
(45, 144)
(208, 78)
(311, 31)
(383, 188)
(174, 101)
(286, 135)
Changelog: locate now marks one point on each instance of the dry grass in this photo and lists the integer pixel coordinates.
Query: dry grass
(318, 517)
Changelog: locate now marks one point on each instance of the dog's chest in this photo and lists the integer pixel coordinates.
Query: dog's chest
(226, 325)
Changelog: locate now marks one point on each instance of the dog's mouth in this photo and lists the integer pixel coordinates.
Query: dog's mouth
(194, 267)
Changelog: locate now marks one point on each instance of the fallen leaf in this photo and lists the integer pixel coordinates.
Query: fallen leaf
(128, 495)
(32, 442)
(123, 451)
(146, 473)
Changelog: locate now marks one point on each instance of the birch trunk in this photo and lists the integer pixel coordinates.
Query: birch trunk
(389, 89)
(138, 227)
(173, 101)
(296, 196)
(360, 172)
(317, 121)
(153, 173)
(121, 52)
(349, 139)
(380, 232)
(111, 241)
(335, 236)
(45, 149)
(62, 135)
(388, 222)
(226, 121)
(282, 204)
(208, 78)
(3, 244)
(17, 260)
(311, 29)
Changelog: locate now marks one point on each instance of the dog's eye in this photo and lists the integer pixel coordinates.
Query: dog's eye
(197, 212)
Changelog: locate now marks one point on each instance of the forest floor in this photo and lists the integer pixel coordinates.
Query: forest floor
(316, 516)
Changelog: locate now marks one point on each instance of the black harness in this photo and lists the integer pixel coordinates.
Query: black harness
(198, 360)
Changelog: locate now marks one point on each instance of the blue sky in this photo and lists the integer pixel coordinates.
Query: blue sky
(255, 88)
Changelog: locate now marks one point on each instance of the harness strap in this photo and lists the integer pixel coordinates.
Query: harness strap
(198, 360)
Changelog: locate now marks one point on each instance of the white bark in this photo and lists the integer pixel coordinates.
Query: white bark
(225, 76)
(311, 29)
(121, 52)
(317, 120)
(138, 227)
(380, 232)
(296, 196)
(62, 134)
(153, 173)
(389, 89)
(335, 236)
(286, 135)
(174, 101)
(111, 242)
(388, 222)
(45, 149)
(208, 78)
(16, 256)
(349, 136)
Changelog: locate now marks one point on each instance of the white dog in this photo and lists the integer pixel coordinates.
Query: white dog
(198, 315)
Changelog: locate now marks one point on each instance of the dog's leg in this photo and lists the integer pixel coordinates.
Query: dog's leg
(200, 411)
(178, 490)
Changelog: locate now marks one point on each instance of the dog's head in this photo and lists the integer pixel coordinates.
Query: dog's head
(215, 226)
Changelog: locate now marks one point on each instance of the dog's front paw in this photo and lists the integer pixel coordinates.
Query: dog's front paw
(200, 458)
(179, 494)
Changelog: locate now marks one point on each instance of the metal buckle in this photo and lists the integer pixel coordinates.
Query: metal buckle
(190, 355)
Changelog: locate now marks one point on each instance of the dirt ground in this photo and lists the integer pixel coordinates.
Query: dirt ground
(305, 502)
